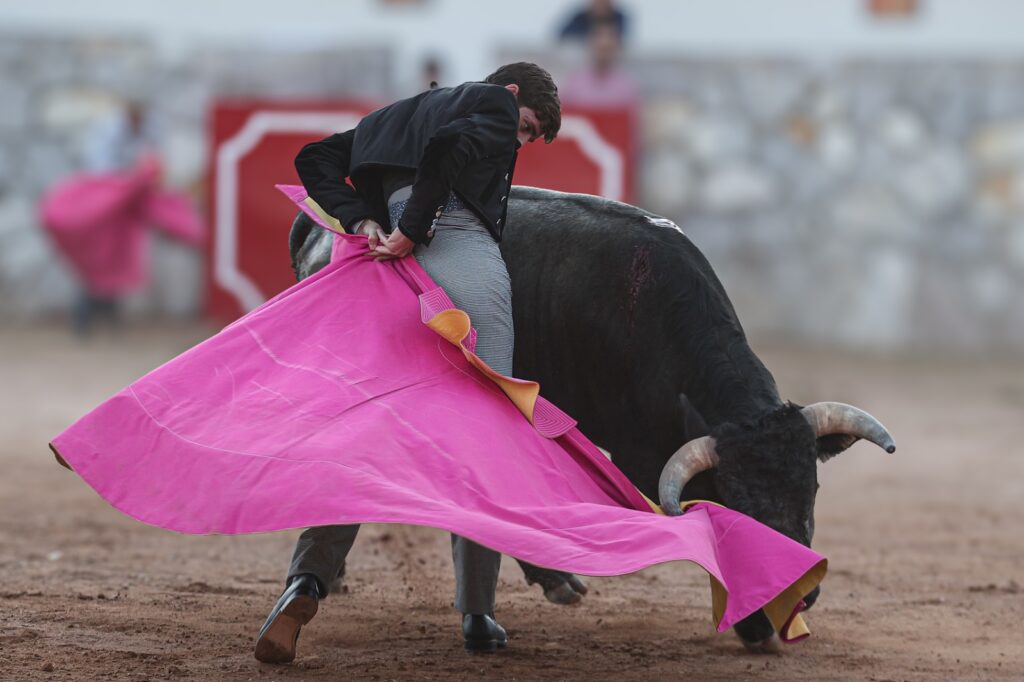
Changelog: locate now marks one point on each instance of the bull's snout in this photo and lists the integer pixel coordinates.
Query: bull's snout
(757, 634)
(812, 597)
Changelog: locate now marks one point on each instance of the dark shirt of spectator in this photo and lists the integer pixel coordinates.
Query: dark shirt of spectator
(431, 70)
(595, 13)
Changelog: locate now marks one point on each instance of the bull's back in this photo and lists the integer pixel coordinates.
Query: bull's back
(604, 295)
(610, 304)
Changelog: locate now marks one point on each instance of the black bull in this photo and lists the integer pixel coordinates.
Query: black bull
(624, 324)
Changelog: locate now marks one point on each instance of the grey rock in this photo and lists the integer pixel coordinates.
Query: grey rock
(736, 187)
(871, 214)
(714, 139)
(666, 122)
(177, 279)
(769, 90)
(1015, 246)
(46, 162)
(837, 147)
(15, 106)
(32, 278)
(73, 108)
(935, 182)
(991, 289)
(667, 182)
(903, 131)
(999, 144)
(872, 300)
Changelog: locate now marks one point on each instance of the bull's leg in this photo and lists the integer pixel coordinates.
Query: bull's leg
(559, 588)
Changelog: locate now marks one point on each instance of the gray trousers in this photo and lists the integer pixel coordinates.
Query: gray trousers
(464, 260)
(322, 551)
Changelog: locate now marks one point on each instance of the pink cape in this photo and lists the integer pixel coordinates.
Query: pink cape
(99, 221)
(354, 397)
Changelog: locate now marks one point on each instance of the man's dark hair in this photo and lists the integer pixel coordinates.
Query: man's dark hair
(536, 90)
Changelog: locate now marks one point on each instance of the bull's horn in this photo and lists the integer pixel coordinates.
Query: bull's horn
(694, 457)
(829, 418)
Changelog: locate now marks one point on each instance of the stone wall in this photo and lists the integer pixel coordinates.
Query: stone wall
(865, 203)
(55, 87)
(861, 203)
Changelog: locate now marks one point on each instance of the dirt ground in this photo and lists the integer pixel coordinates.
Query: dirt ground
(925, 546)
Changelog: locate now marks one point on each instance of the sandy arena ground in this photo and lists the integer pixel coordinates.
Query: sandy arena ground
(925, 546)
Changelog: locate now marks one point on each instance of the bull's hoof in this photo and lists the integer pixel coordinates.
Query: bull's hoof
(576, 583)
(770, 645)
(563, 595)
(560, 588)
(567, 593)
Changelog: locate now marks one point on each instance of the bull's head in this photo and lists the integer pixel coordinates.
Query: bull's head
(768, 471)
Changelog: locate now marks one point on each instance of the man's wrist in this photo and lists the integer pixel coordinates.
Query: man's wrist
(411, 237)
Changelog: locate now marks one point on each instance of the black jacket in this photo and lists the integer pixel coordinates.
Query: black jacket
(461, 139)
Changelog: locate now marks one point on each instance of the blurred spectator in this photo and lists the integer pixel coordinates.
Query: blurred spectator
(98, 219)
(596, 13)
(431, 72)
(115, 143)
(602, 83)
(119, 141)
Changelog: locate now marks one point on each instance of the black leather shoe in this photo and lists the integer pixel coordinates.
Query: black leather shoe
(296, 607)
(482, 633)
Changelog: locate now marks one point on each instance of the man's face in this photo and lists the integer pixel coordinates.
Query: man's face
(529, 126)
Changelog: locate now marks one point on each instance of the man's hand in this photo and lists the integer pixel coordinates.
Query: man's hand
(397, 245)
(373, 230)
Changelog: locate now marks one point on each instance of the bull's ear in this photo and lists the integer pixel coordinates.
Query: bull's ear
(694, 425)
(830, 446)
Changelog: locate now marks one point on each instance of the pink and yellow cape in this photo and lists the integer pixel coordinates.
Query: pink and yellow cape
(355, 397)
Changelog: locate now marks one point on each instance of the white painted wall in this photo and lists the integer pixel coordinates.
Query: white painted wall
(464, 32)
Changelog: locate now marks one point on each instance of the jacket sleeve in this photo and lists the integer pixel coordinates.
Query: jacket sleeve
(487, 129)
(323, 168)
